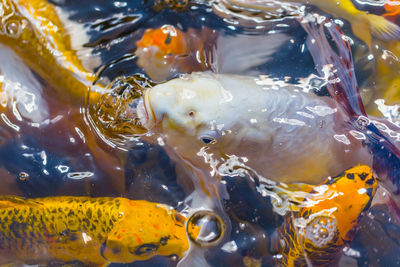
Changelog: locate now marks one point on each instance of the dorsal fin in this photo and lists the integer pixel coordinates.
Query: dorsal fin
(11, 201)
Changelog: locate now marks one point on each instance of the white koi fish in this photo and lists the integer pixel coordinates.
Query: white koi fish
(220, 124)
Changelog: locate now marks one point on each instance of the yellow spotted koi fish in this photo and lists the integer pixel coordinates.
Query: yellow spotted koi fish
(33, 29)
(317, 233)
(94, 231)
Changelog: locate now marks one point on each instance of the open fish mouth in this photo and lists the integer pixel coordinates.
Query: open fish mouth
(145, 112)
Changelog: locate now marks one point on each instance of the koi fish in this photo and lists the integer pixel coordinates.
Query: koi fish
(363, 23)
(164, 51)
(219, 124)
(94, 231)
(392, 8)
(327, 221)
(167, 51)
(33, 29)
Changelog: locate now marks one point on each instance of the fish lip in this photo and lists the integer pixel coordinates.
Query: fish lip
(145, 112)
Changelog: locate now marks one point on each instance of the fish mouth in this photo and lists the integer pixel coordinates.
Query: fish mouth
(146, 114)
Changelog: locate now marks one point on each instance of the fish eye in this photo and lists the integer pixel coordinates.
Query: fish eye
(208, 137)
(145, 249)
(207, 140)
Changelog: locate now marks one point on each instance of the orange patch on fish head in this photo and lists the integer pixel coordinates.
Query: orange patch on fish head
(167, 39)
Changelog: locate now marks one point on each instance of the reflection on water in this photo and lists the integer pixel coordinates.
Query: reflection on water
(94, 103)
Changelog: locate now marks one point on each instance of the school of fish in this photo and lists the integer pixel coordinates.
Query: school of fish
(217, 119)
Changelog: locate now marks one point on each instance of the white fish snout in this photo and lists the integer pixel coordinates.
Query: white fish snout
(145, 112)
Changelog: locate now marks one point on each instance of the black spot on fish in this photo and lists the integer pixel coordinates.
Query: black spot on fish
(86, 221)
(73, 237)
(168, 39)
(350, 176)
(99, 213)
(89, 213)
(363, 176)
(164, 240)
(369, 192)
(370, 181)
(64, 233)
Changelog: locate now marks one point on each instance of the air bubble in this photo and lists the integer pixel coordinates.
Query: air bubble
(22, 176)
(205, 228)
(12, 28)
(321, 231)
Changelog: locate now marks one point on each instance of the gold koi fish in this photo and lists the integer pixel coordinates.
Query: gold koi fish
(94, 231)
(35, 32)
(317, 233)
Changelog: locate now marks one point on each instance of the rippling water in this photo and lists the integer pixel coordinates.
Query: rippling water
(57, 141)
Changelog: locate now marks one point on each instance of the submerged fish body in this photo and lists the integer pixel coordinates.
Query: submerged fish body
(94, 231)
(317, 233)
(363, 23)
(283, 133)
(167, 51)
(164, 51)
(33, 29)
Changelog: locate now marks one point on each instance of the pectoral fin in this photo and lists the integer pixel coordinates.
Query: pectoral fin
(383, 29)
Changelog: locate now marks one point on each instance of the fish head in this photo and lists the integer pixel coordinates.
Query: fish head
(145, 230)
(197, 111)
(160, 51)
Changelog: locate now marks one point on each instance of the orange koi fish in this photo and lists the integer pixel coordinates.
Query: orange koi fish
(327, 221)
(392, 8)
(166, 51)
(94, 231)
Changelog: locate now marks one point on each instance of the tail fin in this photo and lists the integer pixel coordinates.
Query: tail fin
(338, 70)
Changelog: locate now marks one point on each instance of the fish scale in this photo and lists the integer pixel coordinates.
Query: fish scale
(94, 231)
(57, 224)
